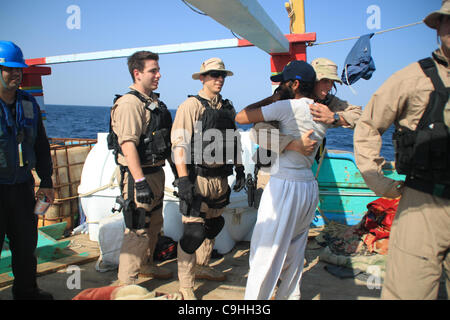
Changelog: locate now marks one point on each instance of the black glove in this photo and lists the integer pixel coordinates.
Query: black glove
(143, 192)
(186, 190)
(240, 178)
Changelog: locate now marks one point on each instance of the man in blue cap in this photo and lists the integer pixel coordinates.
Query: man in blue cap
(290, 198)
(23, 146)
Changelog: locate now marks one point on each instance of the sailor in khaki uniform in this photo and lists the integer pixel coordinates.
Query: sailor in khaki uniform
(203, 185)
(132, 120)
(420, 235)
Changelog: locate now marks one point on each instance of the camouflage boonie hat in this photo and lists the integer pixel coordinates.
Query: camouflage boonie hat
(432, 20)
(325, 69)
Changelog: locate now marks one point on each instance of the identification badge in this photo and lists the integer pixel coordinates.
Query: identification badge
(20, 155)
(152, 106)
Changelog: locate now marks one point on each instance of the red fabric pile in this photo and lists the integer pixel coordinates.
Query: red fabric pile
(103, 293)
(377, 222)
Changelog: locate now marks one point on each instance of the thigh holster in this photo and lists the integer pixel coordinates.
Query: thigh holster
(192, 210)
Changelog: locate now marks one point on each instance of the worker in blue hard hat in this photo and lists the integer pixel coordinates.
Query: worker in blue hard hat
(23, 146)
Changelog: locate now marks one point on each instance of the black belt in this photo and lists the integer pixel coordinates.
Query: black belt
(150, 170)
(222, 171)
(435, 189)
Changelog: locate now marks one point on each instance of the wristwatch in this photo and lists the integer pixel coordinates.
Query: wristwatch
(336, 118)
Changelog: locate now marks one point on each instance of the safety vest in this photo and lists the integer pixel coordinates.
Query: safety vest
(154, 144)
(203, 143)
(423, 155)
(17, 139)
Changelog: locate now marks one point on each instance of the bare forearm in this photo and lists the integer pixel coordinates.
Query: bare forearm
(261, 103)
(304, 145)
(180, 161)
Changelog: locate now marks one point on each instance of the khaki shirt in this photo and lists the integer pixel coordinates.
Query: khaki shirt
(401, 100)
(129, 119)
(349, 112)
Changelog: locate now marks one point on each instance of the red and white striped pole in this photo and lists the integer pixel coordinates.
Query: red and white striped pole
(32, 82)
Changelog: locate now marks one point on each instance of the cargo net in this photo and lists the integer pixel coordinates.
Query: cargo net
(68, 156)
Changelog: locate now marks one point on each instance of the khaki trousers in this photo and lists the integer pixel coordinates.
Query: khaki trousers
(418, 247)
(138, 245)
(211, 188)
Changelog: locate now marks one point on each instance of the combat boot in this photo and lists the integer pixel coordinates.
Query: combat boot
(155, 272)
(188, 293)
(208, 273)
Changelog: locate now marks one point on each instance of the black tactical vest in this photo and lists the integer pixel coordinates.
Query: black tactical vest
(424, 154)
(205, 142)
(154, 144)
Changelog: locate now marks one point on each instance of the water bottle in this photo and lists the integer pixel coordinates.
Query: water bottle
(42, 205)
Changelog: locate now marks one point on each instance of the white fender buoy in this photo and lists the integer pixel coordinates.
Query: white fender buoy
(97, 194)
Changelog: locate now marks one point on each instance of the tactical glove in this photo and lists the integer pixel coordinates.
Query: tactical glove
(240, 178)
(143, 192)
(186, 190)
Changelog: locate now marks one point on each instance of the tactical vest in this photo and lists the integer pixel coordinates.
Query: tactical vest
(216, 123)
(154, 144)
(17, 139)
(423, 155)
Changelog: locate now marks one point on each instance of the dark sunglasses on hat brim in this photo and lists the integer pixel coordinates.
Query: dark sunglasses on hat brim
(217, 74)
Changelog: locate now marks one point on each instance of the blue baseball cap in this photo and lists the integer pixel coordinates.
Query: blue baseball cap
(296, 70)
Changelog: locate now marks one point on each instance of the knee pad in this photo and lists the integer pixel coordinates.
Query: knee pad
(213, 227)
(193, 236)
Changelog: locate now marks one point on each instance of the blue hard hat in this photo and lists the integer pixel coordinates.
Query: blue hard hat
(11, 55)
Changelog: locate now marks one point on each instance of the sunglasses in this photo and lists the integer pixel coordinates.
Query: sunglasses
(217, 74)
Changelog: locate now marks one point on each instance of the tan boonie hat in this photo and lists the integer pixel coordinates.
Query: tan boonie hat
(325, 69)
(432, 20)
(213, 64)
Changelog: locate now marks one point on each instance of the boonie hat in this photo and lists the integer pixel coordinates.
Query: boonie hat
(325, 69)
(296, 70)
(432, 20)
(213, 64)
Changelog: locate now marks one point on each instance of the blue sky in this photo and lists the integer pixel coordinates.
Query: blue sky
(39, 28)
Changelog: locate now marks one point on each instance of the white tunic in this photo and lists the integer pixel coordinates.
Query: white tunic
(286, 210)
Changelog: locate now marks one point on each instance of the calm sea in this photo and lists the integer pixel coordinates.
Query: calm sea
(84, 122)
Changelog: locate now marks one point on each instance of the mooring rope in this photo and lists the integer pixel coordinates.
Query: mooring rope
(379, 32)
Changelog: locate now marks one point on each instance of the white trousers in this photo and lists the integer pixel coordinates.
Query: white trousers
(277, 247)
